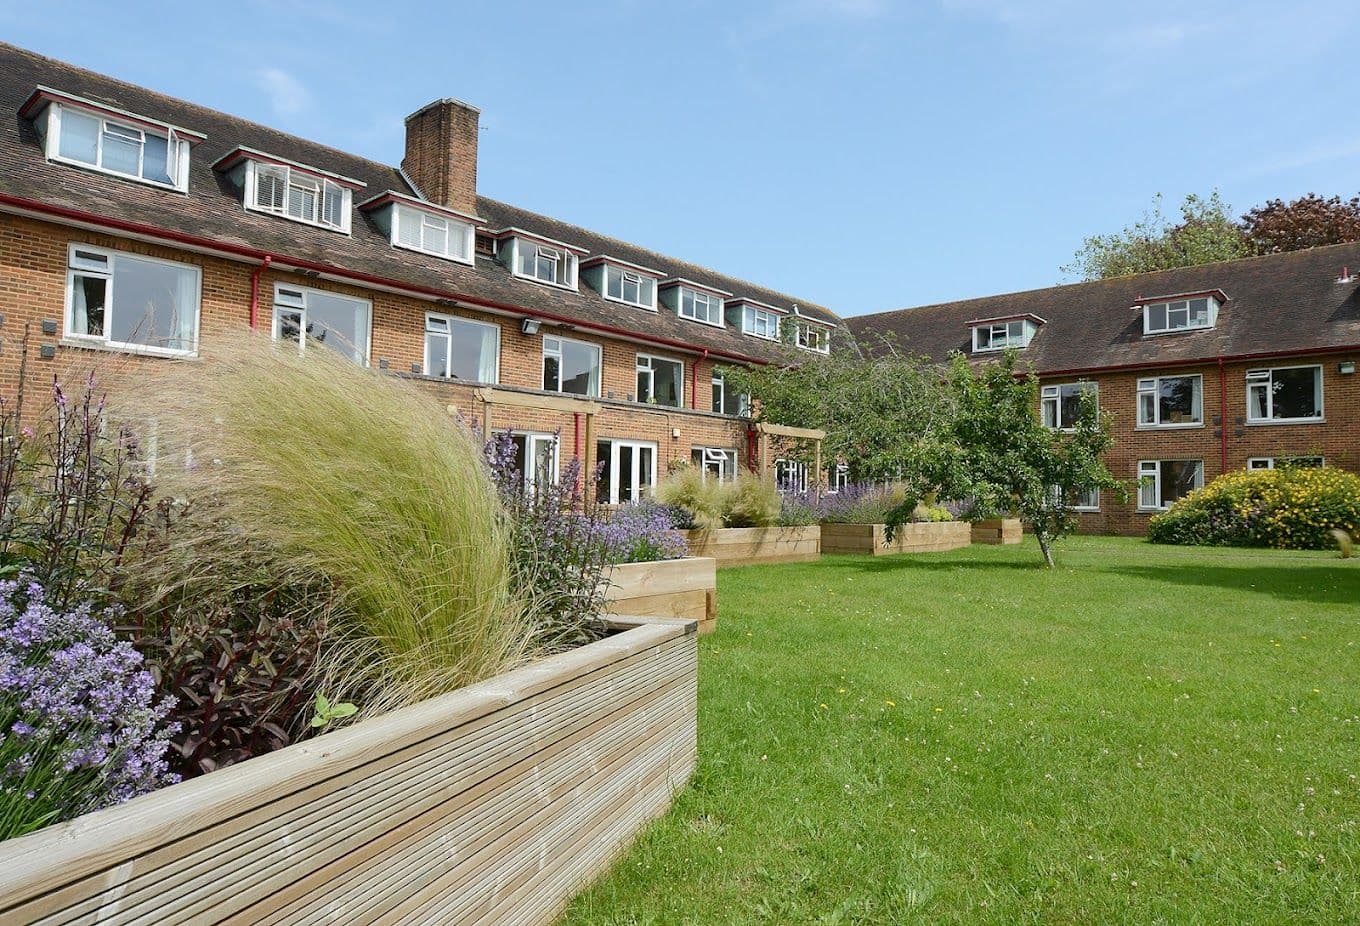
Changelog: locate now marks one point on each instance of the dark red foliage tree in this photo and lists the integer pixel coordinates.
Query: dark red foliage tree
(1307, 222)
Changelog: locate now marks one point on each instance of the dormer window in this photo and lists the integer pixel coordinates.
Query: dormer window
(88, 134)
(695, 302)
(759, 321)
(620, 281)
(539, 259)
(291, 191)
(425, 227)
(1167, 315)
(813, 337)
(993, 334)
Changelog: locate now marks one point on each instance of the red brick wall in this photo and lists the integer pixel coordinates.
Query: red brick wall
(1336, 437)
(33, 261)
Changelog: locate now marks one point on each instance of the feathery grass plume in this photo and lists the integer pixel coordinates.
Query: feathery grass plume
(750, 501)
(700, 498)
(350, 478)
(1344, 542)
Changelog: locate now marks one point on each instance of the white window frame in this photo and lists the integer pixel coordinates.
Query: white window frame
(1003, 335)
(283, 302)
(625, 277)
(837, 478)
(1179, 305)
(1155, 391)
(791, 475)
(803, 332)
(465, 232)
(323, 186)
(565, 261)
(646, 364)
(712, 303)
(549, 351)
(1265, 377)
(176, 148)
(89, 269)
(725, 459)
(760, 322)
(532, 439)
(447, 334)
(1051, 397)
(635, 483)
(719, 383)
(1150, 476)
(1257, 463)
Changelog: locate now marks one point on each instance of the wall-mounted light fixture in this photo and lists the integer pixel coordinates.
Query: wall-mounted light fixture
(1346, 367)
(530, 326)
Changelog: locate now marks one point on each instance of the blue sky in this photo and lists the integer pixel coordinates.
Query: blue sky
(863, 154)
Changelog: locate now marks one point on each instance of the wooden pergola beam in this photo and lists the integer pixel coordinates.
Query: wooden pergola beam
(783, 430)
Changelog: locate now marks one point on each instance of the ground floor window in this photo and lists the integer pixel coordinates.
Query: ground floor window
(1161, 482)
(718, 462)
(131, 301)
(338, 322)
(837, 478)
(627, 470)
(1273, 462)
(1080, 499)
(791, 475)
(536, 459)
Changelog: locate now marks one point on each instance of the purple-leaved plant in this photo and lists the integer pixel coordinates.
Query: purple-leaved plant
(80, 725)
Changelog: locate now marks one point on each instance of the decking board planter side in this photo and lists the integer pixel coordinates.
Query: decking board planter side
(998, 531)
(682, 589)
(919, 537)
(750, 546)
(445, 810)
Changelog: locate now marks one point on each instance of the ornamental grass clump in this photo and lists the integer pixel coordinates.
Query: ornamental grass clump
(749, 501)
(349, 479)
(697, 498)
(1290, 507)
(80, 725)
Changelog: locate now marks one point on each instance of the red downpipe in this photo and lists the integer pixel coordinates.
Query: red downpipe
(255, 290)
(222, 247)
(576, 442)
(1222, 419)
(694, 381)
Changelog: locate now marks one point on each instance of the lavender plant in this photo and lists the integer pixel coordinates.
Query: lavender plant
(80, 725)
(643, 532)
(558, 550)
(861, 503)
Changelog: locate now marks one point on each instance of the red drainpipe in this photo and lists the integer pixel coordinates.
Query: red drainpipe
(255, 290)
(694, 381)
(1223, 419)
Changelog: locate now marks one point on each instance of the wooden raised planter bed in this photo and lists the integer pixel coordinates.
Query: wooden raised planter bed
(998, 531)
(494, 804)
(922, 537)
(748, 546)
(686, 589)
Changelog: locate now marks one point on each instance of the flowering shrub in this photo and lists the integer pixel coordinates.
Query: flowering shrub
(643, 532)
(1286, 508)
(862, 503)
(799, 509)
(558, 551)
(80, 727)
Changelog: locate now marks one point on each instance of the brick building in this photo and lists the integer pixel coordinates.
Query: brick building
(1204, 370)
(135, 223)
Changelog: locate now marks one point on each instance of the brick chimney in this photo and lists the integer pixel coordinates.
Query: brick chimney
(441, 153)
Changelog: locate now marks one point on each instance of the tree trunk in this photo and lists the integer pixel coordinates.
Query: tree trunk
(1046, 545)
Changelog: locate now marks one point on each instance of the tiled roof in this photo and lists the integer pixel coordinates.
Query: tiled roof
(1279, 303)
(213, 210)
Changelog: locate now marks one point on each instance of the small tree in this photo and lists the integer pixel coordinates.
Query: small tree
(1205, 234)
(1012, 462)
(1307, 222)
(885, 413)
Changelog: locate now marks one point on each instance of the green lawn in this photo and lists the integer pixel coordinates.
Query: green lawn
(1148, 735)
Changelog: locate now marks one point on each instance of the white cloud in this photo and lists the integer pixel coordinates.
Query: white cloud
(286, 93)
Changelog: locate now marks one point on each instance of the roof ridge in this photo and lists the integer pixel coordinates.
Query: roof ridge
(1279, 255)
(181, 101)
(667, 257)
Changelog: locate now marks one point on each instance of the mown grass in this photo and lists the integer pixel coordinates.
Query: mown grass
(1147, 735)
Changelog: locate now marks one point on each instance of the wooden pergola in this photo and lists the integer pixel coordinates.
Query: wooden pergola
(766, 431)
(491, 396)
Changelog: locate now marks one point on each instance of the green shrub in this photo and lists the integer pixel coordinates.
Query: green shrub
(352, 478)
(750, 501)
(697, 499)
(1289, 507)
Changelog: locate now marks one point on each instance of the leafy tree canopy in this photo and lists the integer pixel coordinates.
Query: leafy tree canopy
(1307, 222)
(1206, 233)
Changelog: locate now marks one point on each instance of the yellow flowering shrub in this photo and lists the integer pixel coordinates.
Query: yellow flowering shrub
(1289, 508)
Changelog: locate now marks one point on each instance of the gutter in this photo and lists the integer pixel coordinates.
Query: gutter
(254, 254)
(1205, 361)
